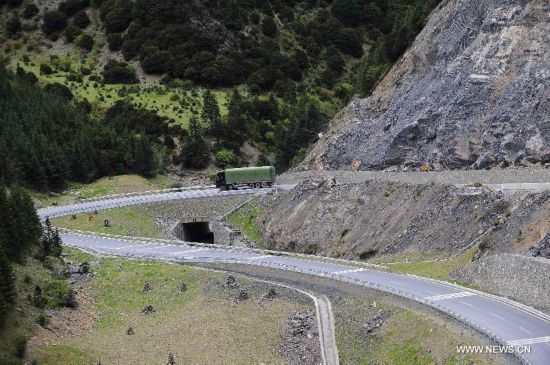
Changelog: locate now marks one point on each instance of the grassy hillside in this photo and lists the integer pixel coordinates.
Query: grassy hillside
(294, 63)
(202, 325)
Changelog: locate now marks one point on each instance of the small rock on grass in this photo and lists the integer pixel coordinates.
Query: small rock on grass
(243, 295)
(148, 309)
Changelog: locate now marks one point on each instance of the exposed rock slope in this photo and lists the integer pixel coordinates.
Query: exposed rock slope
(377, 219)
(472, 92)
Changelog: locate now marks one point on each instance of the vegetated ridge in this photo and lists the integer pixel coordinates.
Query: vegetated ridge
(282, 68)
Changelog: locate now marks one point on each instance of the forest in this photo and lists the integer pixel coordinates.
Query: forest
(286, 67)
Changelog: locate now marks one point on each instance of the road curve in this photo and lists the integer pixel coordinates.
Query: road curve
(508, 323)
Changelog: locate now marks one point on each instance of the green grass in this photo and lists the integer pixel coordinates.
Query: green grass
(105, 186)
(162, 99)
(436, 270)
(245, 217)
(20, 323)
(135, 219)
(202, 325)
(405, 338)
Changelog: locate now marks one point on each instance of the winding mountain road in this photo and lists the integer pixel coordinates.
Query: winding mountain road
(509, 324)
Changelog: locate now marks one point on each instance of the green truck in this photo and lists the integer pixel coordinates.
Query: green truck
(251, 177)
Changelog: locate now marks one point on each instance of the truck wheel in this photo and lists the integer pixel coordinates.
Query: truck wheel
(257, 185)
(229, 187)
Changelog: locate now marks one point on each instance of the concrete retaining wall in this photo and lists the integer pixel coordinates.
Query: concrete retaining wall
(520, 278)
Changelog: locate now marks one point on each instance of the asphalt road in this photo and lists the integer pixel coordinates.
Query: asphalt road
(506, 322)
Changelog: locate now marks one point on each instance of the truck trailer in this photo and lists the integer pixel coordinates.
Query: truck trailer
(250, 177)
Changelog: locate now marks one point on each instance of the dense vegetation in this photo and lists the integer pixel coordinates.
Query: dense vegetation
(23, 241)
(288, 65)
(46, 140)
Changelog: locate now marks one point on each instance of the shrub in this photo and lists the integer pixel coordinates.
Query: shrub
(30, 10)
(71, 32)
(45, 69)
(58, 294)
(85, 41)
(13, 25)
(225, 158)
(53, 21)
(71, 7)
(42, 320)
(12, 3)
(116, 72)
(59, 89)
(81, 19)
(20, 347)
(116, 15)
(115, 41)
(269, 28)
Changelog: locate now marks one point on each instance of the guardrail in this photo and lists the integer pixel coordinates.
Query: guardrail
(148, 192)
(164, 241)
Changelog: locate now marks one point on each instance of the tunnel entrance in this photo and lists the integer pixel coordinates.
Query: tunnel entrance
(197, 232)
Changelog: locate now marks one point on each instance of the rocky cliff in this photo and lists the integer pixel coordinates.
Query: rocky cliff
(471, 92)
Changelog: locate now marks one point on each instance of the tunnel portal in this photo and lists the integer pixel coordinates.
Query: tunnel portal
(197, 232)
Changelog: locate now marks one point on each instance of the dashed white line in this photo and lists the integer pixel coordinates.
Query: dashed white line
(259, 257)
(467, 304)
(451, 296)
(348, 271)
(526, 331)
(497, 316)
(529, 341)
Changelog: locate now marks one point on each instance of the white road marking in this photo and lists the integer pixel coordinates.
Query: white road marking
(529, 341)
(259, 257)
(197, 250)
(497, 316)
(526, 331)
(450, 296)
(429, 291)
(348, 271)
(396, 283)
(467, 304)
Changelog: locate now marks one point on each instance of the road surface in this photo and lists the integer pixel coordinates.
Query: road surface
(507, 323)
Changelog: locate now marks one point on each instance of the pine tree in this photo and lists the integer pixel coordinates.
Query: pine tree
(7, 278)
(195, 153)
(211, 111)
(50, 243)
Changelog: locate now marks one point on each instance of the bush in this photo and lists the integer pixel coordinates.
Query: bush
(45, 69)
(85, 41)
(20, 347)
(13, 25)
(53, 21)
(225, 158)
(116, 15)
(59, 89)
(116, 72)
(71, 32)
(30, 10)
(12, 3)
(71, 7)
(269, 28)
(81, 19)
(115, 41)
(58, 294)
(42, 320)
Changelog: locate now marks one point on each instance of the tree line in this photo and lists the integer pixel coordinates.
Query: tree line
(21, 235)
(47, 140)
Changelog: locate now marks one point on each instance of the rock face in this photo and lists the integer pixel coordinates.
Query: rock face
(472, 92)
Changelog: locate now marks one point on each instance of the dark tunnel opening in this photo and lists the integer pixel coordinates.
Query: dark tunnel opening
(197, 232)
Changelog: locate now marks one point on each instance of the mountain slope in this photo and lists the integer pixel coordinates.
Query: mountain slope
(472, 92)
